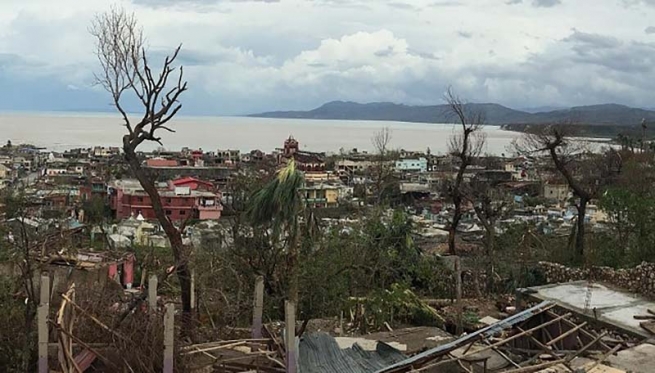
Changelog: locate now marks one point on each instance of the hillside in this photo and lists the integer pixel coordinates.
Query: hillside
(495, 114)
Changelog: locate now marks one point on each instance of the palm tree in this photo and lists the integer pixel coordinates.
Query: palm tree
(279, 205)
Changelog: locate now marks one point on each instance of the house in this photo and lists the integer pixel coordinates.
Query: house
(323, 194)
(105, 152)
(556, 192)
(5, 172)
(228, 156)
(193, 184)
(181, 200)
(412, 165)
(354, 164)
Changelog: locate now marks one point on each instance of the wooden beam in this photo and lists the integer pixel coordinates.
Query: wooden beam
(502, 354)
(546, 349)
(290, 327)
(501, 342)
(193, 289)
(42, 316)
(258, 309)
(536, 368)
(169, 336)
(152, 293)
(564, 335)
(583, 331)
(604, 357)
(585, 348)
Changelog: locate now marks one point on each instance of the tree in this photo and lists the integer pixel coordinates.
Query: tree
(279, 205)
(465, 146)
(488, 204)
(127, 74)
(382, 170)
(585, 173)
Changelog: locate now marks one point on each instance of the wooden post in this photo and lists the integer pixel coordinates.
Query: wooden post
(258, 309)
(458, 294)
(128, 271)
(42, 314)
(169, 336)
(341, 324)
(193, 289)
(290, 343)
(152, 292)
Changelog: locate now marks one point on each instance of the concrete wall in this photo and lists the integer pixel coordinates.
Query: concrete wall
(640, 279)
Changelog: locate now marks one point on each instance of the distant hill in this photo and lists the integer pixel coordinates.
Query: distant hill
(495, 114)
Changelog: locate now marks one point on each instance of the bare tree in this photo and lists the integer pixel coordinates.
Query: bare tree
(127, 74)
(382, 169)
(488, 204)
(465, 146)
(584, 172)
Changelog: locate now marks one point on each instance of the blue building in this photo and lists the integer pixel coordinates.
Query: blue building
(418, 165)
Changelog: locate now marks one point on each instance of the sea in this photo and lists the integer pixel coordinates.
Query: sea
(62, 131)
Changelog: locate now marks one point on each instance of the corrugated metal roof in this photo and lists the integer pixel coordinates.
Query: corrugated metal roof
(320, 353)
(467, 339)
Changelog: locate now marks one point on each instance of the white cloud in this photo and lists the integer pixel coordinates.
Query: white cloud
(245, 56)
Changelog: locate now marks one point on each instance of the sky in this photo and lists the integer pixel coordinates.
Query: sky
(247, 56)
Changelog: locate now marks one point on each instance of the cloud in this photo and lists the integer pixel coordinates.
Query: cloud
(248, 56)
(545, 3)
(536, 3)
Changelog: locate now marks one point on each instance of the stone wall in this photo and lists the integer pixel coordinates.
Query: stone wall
(640, 279)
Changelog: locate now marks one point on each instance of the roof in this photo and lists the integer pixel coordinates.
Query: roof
(469, 338)
(189, 179)
(307, 157)
(320, 353)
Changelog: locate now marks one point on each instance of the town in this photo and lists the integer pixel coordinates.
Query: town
(93, 222)
(138, 258)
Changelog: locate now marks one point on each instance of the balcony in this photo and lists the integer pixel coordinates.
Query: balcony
(316, 200)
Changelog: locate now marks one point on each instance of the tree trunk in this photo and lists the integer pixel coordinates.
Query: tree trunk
(580, 236)
(490, 257)
(292, 265)
(173, 234)
(452, 229)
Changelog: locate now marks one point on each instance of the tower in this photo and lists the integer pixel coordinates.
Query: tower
(290, 146)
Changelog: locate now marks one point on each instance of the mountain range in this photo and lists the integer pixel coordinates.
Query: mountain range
(495, 114)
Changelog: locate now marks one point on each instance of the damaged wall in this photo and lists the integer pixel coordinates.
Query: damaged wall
(640, 279)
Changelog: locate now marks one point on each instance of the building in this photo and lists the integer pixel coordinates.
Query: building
(412, 164)
(5, 172)
(105, 152)
(321, 195)
(161, 162)
(351, 165)
(556, 192)
(181, 199)
(305, 161)
(229, 156)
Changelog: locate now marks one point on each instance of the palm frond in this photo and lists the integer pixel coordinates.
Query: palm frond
(278, 203)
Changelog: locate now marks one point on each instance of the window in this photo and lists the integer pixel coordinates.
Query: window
(168, 200)
(139, 199)
(182, 212)
(169, 212)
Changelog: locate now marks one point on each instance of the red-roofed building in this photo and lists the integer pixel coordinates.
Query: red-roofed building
(161, 162)
(181, 199)
(193, 184)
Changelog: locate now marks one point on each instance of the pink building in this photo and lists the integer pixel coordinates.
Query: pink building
(161, 162)
(181, 199)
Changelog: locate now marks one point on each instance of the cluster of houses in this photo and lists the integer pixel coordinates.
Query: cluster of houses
(194, 185)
